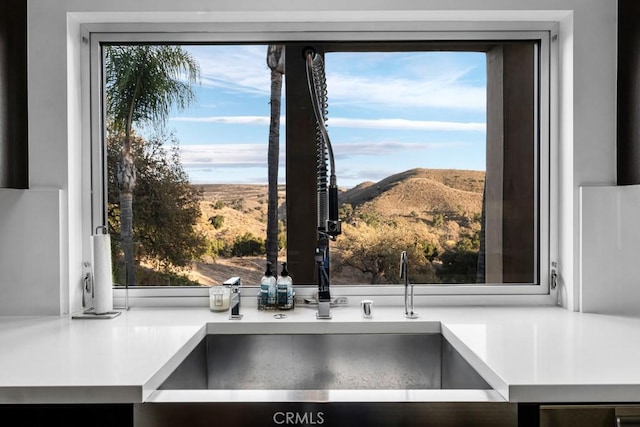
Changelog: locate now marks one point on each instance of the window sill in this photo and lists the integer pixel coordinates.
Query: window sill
(389, 295)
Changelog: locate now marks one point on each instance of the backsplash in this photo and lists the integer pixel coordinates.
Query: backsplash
(610, 249)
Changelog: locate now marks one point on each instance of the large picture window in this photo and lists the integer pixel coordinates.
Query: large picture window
(441, 150)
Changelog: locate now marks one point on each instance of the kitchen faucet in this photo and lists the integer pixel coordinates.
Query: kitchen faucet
(235, 284)
(404, 274)
(328, 224)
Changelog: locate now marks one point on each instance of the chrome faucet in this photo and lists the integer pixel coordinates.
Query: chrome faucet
(235, 284)
(404, 274)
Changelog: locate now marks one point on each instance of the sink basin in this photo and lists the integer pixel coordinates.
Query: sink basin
(365, 361)
(325, 377)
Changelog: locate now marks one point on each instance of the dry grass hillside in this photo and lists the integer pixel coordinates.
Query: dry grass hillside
(448, 202)
(421, 190)
(244, 208)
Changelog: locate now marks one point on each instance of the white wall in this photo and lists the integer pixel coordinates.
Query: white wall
(30, 251)
(586, 96)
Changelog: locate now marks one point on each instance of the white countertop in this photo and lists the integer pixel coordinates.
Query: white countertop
(528, 354)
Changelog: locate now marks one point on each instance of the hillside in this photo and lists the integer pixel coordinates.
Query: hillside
(444, 204)
(243, 207)
(423, 190)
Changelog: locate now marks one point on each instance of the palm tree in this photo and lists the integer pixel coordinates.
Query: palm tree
(142, 83)
(275, 61)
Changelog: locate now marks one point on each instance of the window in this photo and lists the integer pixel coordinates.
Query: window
(499, 203)
(505, 237)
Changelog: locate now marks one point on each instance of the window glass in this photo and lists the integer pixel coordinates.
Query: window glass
(409, 134)
(199, 206)
(435, 151)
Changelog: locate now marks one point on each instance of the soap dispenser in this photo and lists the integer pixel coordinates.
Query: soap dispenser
(284, 289)
(267, 288)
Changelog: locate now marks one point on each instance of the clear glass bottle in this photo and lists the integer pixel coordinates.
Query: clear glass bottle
(267, 287)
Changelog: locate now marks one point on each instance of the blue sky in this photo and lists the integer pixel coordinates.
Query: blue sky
(388, 112)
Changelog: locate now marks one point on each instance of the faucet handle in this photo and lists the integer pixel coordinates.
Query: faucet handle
(234, 281)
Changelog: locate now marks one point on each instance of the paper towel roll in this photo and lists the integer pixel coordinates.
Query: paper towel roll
(102, 275)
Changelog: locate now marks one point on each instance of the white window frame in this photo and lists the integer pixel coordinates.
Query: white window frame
(263, 33)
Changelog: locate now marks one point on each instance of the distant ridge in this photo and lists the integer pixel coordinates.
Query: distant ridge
(416, 190)
(421, 190)
(441, 205)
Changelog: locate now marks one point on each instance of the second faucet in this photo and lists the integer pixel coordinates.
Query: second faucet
(404, 274)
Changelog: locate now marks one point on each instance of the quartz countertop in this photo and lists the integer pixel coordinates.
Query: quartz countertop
(528, 354)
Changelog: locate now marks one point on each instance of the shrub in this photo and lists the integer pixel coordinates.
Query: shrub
(346, 211)
(248, 245)
(438, 220)
(372, 219)
(238, 204)
(219, 204)
(218, 247)
(216, 221)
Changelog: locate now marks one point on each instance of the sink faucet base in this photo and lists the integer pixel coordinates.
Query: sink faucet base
(324, 311)
(235, 284)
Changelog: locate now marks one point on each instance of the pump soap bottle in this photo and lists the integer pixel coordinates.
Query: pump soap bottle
(267, 288)
(285, 289)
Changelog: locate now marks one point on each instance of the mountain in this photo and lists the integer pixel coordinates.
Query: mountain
(420, 190)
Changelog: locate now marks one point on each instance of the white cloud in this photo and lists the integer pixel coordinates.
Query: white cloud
(404, 124)
(230, 120)
(341, 122)
(344, 150)
(240, 68)
(402, 92)
(247, 163)
(243, 69)
(224, 155)
(228, 163)
(255, 155)
(408, 80)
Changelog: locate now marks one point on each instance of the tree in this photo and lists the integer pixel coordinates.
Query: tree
(375, 251)
(275, 61)
(143, 82)
(346, 211)
(167, 206)
(459, 264)
(247, 245)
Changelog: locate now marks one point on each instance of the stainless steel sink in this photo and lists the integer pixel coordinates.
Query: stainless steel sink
(324, 362)
(324, 378)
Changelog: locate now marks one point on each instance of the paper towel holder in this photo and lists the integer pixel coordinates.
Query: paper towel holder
(105, 230)
(88, 287)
